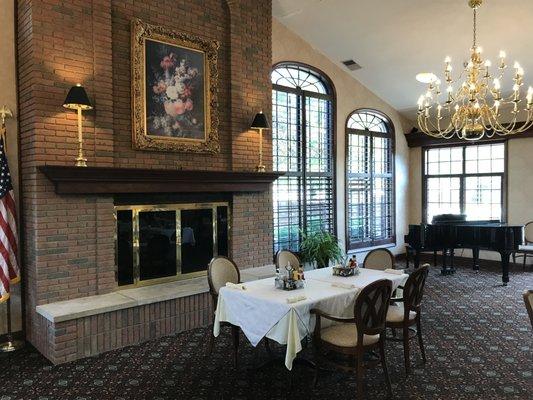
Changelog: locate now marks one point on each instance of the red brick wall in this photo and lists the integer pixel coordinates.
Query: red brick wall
(68, 240)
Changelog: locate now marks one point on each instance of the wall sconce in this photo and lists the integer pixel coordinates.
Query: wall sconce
(77, 99)
(260, 122)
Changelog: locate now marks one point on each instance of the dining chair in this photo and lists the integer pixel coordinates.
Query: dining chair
(286, 256)
(355, 336)
(379, 259)
(528, 300)
(404, 312)
(220, 271)
(525, 250)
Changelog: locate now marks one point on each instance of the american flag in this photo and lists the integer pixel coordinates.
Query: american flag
(9, 267)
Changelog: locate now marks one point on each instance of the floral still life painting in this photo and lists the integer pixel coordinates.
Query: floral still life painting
(174, 90)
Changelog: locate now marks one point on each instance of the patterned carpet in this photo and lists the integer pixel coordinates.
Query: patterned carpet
(477, 334)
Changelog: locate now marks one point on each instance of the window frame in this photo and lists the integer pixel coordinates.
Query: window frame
(462, 176)
(332, 97)
(391, 134)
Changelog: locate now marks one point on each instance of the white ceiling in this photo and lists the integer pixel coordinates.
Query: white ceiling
(393, 40)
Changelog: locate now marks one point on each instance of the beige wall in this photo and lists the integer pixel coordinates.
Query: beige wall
(8, 97)
(519, 187)
(351, 95)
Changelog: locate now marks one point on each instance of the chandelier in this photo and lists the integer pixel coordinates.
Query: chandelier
(475, 108)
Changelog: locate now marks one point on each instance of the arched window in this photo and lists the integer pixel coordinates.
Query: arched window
(369, 180)
(302, 145)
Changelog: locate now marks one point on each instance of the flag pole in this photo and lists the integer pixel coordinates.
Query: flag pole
(11, 344)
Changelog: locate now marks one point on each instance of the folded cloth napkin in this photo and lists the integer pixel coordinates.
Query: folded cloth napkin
(395, 271)
(343, 285)
(238, 286)
(295, 299)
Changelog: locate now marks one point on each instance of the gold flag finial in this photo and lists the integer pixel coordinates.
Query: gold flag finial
(5, 113)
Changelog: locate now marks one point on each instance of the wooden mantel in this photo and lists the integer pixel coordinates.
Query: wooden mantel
(98, 180)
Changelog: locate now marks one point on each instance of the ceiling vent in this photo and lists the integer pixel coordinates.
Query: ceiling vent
(351, 65)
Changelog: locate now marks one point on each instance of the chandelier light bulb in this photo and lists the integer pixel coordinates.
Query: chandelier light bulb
(449, 89)
(516, 65)
(479, 50)
(488, 63)
(502, 54)
(448, 60)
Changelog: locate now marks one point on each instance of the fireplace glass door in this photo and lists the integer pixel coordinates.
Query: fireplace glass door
(167, 242)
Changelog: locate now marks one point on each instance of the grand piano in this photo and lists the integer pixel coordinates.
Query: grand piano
(452, 231)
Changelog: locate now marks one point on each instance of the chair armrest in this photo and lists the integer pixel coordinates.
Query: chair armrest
(322, 314)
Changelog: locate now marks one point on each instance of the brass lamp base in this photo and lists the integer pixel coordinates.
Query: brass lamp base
(260, 168)
(81, 162)
(10, 346)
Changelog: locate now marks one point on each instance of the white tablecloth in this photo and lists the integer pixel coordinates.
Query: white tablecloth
(262, 310)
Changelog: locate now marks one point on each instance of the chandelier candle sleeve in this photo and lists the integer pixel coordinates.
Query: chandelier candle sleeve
(477, 108)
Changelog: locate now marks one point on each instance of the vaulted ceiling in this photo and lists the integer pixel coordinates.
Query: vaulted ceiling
(394, 40)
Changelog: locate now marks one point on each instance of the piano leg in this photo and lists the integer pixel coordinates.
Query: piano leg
(505, 266)
(452, 266)
(475, 256)
(443, 270)
(417, 259)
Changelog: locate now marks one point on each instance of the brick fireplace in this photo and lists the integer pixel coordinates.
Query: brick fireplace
(68, 235)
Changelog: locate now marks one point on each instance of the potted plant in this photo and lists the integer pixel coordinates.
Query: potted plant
(320, 246)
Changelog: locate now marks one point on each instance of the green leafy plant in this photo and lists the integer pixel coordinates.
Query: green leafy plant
(321, 247)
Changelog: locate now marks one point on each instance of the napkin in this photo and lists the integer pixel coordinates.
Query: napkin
(238, 286)
(343, 285)
(295, 299)
(395, 271)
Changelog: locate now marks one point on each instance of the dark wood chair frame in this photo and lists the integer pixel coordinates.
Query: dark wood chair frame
(393, 260)
(529, 309)
(369, 322)
(235, 330)
(413, 290)
(524, 253)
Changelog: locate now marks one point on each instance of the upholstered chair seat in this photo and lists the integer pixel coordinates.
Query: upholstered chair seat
(396, 313)
(526, 247)
(345, 335)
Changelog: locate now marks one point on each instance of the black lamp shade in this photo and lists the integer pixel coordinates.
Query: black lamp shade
(260, 121)
(77, 98)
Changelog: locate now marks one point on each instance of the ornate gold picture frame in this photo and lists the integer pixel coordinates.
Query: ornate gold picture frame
(174, 90)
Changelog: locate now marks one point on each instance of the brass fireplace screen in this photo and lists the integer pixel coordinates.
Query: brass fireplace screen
(160, 243)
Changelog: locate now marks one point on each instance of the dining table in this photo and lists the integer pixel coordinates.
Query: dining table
(261, 310)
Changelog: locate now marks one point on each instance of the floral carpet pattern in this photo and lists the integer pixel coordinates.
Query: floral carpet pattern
(479, 345)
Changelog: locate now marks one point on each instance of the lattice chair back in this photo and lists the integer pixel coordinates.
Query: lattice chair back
(220, 271)
(414, 289)
(286, 256)
(379, 259)
(370, 310)
(528, 232)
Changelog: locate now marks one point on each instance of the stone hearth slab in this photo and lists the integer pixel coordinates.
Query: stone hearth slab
(93, 305)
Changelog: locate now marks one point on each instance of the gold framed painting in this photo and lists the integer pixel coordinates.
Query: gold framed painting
(174, 90)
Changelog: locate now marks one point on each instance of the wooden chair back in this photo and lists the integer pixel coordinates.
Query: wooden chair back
(528, 300)
(286, 256)
(220, 271)
(379, 259)
(414, 289)
(371, 306)
(528, 232)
